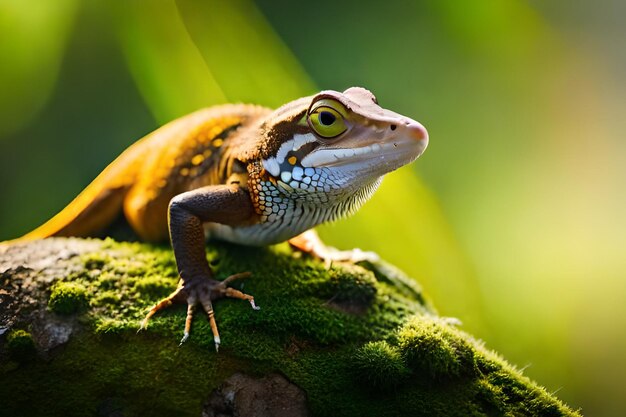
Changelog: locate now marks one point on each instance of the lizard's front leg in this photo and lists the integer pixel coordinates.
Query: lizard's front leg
(225, 204)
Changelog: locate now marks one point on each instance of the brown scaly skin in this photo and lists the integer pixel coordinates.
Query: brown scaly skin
(249, 175)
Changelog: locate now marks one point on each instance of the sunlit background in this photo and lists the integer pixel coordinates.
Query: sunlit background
(514, 220)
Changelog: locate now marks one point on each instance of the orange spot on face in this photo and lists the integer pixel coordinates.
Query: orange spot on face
(292, 160)
(184, 172)
(207, 153)
(218, 142)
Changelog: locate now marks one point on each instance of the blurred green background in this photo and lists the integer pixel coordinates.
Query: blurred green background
(514, 220)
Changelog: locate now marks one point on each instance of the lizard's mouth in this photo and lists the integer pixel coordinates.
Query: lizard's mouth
(384, 156)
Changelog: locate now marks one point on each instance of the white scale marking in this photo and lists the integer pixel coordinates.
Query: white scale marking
(283, 151)
(324, 156)
(300, 140)
(272, 166)
(297, 173)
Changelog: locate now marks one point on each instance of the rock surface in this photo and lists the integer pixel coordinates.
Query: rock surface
(270, 396)
(352, 340)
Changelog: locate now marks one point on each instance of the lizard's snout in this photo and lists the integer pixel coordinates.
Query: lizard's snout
(411, 136)
(416, 131)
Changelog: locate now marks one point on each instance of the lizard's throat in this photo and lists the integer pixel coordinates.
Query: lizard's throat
(284, 216)
(348, 202)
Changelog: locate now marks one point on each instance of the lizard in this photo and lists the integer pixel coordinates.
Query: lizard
(245, 174)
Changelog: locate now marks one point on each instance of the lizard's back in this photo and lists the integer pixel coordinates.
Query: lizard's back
(187, 153)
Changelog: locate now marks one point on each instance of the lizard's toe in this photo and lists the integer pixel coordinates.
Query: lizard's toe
(203, 292)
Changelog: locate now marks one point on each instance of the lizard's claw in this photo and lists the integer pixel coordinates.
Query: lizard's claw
(164, 303)
(203, 293)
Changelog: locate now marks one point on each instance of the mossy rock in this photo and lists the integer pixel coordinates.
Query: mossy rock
(352, 340)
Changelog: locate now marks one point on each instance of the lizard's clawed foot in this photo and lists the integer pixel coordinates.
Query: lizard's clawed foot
(204, 293)
(309, 242)
(330, 255)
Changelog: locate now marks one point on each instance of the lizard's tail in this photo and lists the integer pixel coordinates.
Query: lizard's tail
(99, 204)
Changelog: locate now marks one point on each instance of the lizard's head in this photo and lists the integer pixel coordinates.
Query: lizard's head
(339, 143)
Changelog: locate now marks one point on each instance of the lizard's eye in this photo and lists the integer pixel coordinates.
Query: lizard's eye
(326, 117)
(326, 121)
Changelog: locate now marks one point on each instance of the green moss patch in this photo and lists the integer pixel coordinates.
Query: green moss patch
(435, 349)
(68, 298)
(380, 366)
(154, 286)
(20, 345)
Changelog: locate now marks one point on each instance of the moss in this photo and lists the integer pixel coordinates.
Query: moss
(347, 283)
(106, 297)
(155, 286)
(20, 345)
(113, 326)
(359, 341)
(107, 281)
(379, 366)
(68, 298)
(432, 347)
(95, 260)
